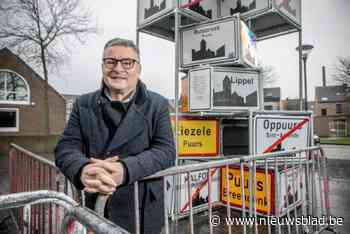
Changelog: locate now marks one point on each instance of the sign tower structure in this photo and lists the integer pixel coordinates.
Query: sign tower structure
(222, 108)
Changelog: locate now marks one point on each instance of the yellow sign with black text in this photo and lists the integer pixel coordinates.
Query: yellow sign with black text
(198, 137)
(264, 195)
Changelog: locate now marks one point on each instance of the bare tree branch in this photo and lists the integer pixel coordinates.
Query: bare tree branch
(342, 70)
(268, 75)
(39, 31)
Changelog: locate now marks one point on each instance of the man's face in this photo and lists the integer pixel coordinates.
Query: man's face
(121, 76)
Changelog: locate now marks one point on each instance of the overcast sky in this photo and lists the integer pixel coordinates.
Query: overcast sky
(325, 26)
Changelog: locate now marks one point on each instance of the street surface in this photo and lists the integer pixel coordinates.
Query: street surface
(338, 168)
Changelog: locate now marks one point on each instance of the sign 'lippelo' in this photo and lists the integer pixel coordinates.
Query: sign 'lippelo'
(220, 89)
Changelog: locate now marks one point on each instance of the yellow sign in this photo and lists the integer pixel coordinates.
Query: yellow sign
(264, 204)
(198, 137)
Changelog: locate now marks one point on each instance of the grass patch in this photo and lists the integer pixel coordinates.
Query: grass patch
(335, 140)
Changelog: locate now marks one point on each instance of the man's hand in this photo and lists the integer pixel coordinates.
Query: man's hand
(116, 169)
(96, 179)
(102, 176)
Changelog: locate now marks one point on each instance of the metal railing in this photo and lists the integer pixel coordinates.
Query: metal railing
(47, 202)
(83, 215)
(295, 185)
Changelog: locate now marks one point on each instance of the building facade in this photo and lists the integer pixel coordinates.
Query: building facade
(272, 98)
(332, 111)
(22, 109)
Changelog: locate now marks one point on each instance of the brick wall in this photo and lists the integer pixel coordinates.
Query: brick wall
(31, 116)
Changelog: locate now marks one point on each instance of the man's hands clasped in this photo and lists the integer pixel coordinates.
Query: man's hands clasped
(102, 176)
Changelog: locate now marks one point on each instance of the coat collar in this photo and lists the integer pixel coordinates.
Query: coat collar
(133, 123)
(141, 95)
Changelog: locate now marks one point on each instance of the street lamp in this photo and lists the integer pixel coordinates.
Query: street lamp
(306, 49)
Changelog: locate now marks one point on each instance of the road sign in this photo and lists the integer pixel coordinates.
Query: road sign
(198, 137)
(234, 196)
(199, 189)
(223, 89)
(281, 133)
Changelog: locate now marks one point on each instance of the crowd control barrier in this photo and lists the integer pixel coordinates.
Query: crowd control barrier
(278, 192)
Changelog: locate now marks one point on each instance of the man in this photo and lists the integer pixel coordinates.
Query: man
(116, 136)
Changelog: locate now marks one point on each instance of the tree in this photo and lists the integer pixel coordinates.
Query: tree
(40, 31)
(268, 75)
(342, 70)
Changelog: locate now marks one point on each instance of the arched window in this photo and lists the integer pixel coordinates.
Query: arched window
(13, 88)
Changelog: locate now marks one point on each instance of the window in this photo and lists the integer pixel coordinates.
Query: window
(323, 112)
(9, 120)
(13, 88)
(338, 108)
(338, 128)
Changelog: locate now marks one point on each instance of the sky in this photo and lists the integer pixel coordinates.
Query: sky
(324, 25)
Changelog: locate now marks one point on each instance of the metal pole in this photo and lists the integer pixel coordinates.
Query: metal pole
(300, 71)
(305, 82)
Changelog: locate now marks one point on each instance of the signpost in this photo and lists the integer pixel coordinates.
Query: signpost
(233, 195)
(199, 189)
(198, 138)
(282, 132)
(223, 89)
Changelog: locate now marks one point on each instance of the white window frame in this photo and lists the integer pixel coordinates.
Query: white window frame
(28, 89)
(12, 129)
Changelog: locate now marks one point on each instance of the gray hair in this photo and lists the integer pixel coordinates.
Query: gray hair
(122, 42)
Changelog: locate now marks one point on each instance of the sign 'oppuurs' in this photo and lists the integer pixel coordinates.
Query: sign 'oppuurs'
(281, 132)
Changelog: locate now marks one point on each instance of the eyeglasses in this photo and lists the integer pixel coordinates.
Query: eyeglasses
(127, 63)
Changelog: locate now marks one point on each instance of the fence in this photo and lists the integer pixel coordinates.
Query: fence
(46, 211)
(280, 192)
(84, 216)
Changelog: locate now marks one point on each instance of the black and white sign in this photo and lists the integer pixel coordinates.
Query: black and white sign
(235, 89)
(211, 42)
(200, 96)
(291, 187)
(223, 89)
(207, 8)
(270, 130)
(291, 8)
(150, 9)
(230, 7)
(199, 189)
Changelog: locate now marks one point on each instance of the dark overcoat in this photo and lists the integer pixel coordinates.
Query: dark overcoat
(143, 141)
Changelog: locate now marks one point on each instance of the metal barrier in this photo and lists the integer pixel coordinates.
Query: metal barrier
(31, 172)
(280, 192)
(285, 187)
(83, 215)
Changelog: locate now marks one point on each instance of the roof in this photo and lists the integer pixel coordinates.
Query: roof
(272, 94)
(6, 52)
(337, 93)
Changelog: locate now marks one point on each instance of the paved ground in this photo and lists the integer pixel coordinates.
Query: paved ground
(337, 151)
(338, 167)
